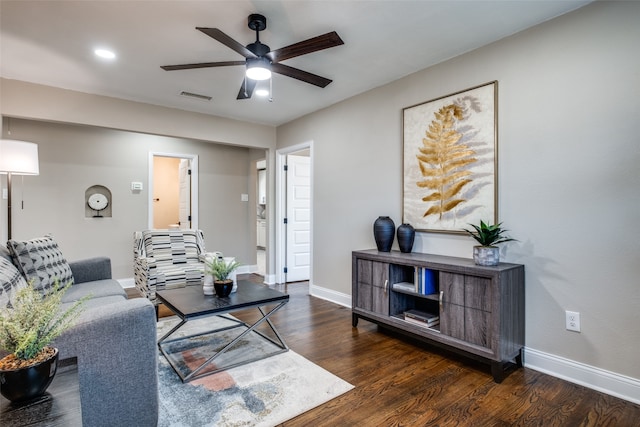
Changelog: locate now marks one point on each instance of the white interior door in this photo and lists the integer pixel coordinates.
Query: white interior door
(298, 260)
(184, 206)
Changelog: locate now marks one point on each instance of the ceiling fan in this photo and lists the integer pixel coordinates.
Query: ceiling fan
(261, 60)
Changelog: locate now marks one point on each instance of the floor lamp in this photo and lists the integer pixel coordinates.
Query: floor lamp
(17, 158)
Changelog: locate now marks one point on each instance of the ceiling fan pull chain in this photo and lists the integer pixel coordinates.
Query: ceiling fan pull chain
(271, 89)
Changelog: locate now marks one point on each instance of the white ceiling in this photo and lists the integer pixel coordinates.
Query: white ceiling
(52, 43)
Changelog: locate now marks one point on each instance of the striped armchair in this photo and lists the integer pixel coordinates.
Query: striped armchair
(167, 259)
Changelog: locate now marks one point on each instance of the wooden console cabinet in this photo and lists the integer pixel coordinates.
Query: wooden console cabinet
(480, 309)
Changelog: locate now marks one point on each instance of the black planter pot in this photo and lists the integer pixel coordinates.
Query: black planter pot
(28, 383)
(406, 236)
(223, 289)
(383, 232)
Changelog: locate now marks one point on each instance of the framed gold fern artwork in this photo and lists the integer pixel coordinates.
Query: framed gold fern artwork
(450, 160)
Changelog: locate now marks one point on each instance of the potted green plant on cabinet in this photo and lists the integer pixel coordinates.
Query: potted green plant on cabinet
(487, 253)
(27, 328)
(220, 269)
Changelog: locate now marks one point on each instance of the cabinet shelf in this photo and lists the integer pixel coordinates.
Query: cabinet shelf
(480, 309)
(434, 297)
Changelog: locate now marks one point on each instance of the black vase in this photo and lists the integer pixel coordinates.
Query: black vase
(223, 289)
(406, 236)
(383, 232)
(28, 383)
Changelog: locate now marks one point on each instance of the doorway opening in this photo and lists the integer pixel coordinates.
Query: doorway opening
(173, 191)
(294, 213)
(261, 217)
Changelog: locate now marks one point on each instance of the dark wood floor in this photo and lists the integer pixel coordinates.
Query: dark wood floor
(401, 382)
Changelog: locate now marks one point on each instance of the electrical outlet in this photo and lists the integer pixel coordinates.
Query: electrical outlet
(573, 321)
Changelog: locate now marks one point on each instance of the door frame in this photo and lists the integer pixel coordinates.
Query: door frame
(281, 209)
(194, 184)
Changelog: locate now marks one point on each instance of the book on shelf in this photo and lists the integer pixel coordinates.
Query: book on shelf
(421, 323)
(428, 319)
(424, 281)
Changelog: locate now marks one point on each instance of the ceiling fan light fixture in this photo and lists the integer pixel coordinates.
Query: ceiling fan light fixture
(104, 53)
(258, 68)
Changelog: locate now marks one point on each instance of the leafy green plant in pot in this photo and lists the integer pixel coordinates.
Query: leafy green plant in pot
(487, 253)
(27, 328)
(220, 270)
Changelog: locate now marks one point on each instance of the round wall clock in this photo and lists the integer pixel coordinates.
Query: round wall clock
(98, 202)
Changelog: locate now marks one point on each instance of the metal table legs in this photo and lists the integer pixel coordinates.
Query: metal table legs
(197, 372)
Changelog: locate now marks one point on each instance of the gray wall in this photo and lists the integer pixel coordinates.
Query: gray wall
(86, 138)
(569, 104)
(74, 158)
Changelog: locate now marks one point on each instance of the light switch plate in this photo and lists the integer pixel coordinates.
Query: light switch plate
(244, 197)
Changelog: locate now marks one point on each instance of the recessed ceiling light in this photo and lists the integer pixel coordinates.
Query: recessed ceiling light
(104, 53)
(262, 92)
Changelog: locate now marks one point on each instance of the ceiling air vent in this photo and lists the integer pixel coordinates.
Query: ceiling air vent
(196, 96)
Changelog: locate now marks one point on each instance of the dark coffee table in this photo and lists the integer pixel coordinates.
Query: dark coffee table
(189, 303)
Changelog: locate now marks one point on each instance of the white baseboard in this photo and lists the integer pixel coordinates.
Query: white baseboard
(247, 269)
(608, 382)
(270, 279)
(127, 282)
(330, 295)
(598, 379)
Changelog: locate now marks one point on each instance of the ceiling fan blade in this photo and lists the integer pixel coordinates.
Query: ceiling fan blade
(313, 44)
(298, 74)
(227, 41)
(245, 93)
(201, 65)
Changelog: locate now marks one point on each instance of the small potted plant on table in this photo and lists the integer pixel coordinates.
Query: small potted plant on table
(221, 269)
(27, 328)
(487, 253)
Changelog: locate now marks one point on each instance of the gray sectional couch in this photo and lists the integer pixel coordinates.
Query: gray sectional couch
(114, 345)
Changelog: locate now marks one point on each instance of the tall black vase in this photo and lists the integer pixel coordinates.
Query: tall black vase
(383, 231)
(406, 236)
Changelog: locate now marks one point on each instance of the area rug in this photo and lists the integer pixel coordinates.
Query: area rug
(262, 393)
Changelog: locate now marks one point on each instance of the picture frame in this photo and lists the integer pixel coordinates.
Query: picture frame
(450, 159)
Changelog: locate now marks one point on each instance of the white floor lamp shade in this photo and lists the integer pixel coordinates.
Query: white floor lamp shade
(17, 158)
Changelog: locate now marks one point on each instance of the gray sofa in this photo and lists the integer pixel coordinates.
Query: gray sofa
(114, 345)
